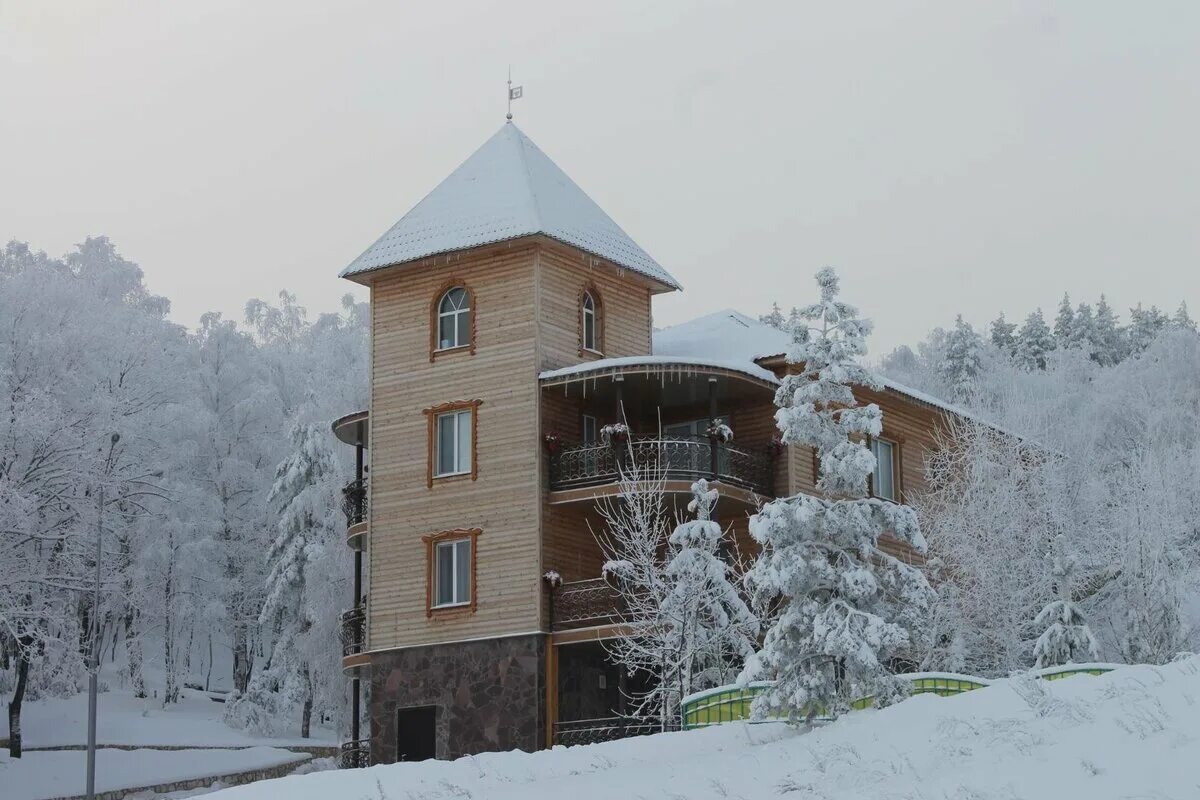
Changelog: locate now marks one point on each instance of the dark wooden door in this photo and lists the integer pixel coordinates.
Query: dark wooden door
(416, 733)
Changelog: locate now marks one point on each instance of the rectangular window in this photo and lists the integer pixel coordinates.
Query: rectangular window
(591, 431)
(453, 443)
(883, 481)
(452, 571)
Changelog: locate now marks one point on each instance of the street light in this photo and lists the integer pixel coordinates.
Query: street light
(93, 679)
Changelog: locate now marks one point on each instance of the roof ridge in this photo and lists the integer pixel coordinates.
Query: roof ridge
(529, 187)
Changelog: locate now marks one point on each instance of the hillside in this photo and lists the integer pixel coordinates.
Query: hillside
(1130, 733)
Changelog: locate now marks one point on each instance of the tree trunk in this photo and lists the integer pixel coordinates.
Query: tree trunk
(306, 717)
(208, 673)
(241, 658)
(14, 707)
(133, 651)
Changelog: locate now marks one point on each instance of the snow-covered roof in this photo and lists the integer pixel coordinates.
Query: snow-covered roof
(508, 188)
(733, 337)
(659, 363)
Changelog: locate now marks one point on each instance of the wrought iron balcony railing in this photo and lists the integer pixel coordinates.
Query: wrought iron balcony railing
(354, 630)
(354, 501)
(675, 457)
(583, 604)
(355, 754)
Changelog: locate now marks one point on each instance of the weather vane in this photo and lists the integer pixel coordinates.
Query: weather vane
(514, 93)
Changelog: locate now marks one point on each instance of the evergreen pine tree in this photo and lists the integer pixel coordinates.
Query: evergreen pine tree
(1083, 331)
(1064, 322)
(1182, 320)
(713, 627)
(1144, 327)
(1067, 637)
(775, 318)
(1109, 347)
(840, 599)
(1034, 342)
(962, 361)
(305, 500)
(1003, 335)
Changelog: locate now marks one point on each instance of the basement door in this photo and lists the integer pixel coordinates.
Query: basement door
(416, 733)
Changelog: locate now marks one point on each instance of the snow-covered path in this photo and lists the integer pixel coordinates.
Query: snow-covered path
(60, 773)
(1131, 733)
(126, 720)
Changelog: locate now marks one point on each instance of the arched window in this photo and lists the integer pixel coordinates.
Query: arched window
(591, 323)
(454, 319)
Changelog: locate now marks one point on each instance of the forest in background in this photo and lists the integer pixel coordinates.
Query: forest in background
(205, 458)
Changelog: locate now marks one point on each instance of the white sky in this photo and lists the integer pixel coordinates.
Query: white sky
(945, 156)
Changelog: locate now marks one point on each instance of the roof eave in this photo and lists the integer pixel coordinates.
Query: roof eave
(365, 276)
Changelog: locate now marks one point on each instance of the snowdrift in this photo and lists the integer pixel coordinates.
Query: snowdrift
(1133, 732)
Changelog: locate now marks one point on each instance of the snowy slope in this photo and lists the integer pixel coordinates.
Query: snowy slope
(1131, 733)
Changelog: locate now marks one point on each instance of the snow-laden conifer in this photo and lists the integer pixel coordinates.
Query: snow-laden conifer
(842, 602)
(713, 626)
(962, 361)
(1034, 342)
(1066, 637)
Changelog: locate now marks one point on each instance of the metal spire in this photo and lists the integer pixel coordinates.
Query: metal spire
(513, 94)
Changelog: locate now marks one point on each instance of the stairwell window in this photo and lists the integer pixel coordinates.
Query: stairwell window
(454, 443)
(453, 320)
(450, 571)
(453, 440)
(883, 480)
(452, 583)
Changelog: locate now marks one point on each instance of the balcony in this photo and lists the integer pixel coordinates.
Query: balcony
(354, 638)
(585, 604)
(674, 458)
(355, 754)
(354, 504)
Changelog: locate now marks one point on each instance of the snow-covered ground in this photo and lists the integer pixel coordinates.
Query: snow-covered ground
(1132, 733)
(126, 720)
(61, 773)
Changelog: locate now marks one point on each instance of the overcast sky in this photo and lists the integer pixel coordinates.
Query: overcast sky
(944, 156)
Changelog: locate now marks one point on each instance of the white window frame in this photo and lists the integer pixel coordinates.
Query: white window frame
(457, 446)
(594, 345)
(893, 448)
(458, 595)
(595, 425)
(454, 314)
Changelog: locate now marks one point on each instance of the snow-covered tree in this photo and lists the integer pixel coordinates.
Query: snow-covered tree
(1066, 637)
(1109, 346)
(1083, 331)
(1182, 320)
(1034, 342)
(1144, 327)
(1003, 335)
(1064, 322)
(775, 319)
(305, 495)
(962, 361)
(716, 631)
(841, 600)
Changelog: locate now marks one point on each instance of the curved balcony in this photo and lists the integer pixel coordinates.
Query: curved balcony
(674, 458)
(354, 504)
(355, 754)
(354, 639)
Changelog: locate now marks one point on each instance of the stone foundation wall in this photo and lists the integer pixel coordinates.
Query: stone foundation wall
(489, 694)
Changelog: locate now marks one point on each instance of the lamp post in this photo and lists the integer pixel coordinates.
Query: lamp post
(93, 678)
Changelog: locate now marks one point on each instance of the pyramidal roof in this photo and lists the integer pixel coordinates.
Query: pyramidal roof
(506, 189)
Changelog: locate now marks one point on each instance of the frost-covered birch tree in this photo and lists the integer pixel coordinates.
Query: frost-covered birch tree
(841, 598)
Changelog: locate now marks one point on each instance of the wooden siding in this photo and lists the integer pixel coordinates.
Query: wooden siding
(625, 300)
(503, 500)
